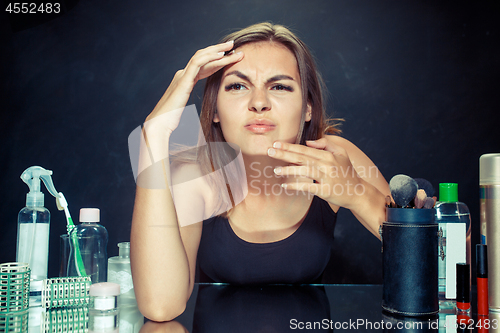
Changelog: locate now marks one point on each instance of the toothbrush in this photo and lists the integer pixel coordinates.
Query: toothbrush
(62, 204)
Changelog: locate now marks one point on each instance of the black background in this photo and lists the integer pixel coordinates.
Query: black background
(414, 80)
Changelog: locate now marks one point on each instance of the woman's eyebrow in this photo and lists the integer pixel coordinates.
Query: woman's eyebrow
(270, 80)
(279, 78)
(238, 74)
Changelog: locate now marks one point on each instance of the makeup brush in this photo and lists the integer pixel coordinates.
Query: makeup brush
(403, 189)
(425, 185)
(429, 202)
(420, 198)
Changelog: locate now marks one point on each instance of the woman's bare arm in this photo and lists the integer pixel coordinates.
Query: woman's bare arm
(163, 254)
(160, 266)
(369, 208)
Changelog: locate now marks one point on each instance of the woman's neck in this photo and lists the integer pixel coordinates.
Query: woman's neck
(262, 181)
(268, 206)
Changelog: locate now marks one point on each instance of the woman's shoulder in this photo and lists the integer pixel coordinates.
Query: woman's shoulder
(342, 142)
(355, 154)
(363, 165)
(191, 191)
(185, 171)
(197, 192)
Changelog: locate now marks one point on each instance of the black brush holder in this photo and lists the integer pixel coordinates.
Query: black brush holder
(410, 262)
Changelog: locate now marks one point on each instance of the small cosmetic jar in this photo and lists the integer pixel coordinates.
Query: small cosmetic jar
(104, 311)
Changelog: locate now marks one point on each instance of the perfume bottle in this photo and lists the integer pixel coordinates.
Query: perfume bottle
(119, 272)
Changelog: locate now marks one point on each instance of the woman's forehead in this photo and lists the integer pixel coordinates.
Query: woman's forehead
(266, 58)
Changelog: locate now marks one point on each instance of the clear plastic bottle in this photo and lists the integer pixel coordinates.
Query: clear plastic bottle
(33, 230)
(455, 241)
(92, 240)
(119, 272)
(33, 246)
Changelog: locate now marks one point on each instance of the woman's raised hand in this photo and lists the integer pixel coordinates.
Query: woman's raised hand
(165, 117)
(342, 179)
(336, 180)
(204, 63)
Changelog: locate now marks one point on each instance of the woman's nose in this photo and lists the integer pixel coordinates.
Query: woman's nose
(259, 102)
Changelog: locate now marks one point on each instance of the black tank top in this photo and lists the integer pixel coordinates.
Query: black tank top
(299, 258)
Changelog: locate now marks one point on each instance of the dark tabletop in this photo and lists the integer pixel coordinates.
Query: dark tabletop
(286, 308)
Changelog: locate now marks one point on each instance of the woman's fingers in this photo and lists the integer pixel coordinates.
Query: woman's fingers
(298, 154)
(319, 149)
(321, 155)
(209, 60)
(226, 46)
(328, 164)
(214, 65)
(314, 171)
(296, 171)
(311, 188)
(327, 145)
(336, 193)
(204, 63)
(212, 52)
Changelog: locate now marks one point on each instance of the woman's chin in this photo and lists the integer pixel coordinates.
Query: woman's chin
(256, 147)
(255, 152)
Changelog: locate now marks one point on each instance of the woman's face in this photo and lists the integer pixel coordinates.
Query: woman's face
(260, 98)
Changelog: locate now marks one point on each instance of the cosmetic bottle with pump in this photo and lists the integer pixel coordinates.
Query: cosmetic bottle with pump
(33, 230)
(454, 242)
(119, 272)
(92, 240)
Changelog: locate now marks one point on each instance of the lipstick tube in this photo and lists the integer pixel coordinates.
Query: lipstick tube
(482, 279)
(463, 288)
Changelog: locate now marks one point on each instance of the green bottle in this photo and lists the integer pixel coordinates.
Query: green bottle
(454, 222)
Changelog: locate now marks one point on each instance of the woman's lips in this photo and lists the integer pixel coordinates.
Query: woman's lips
(260, 126)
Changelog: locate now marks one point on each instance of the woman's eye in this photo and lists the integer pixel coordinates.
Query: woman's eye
(282, 87)
(235, 86)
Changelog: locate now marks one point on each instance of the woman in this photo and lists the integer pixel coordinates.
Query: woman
(262, 94)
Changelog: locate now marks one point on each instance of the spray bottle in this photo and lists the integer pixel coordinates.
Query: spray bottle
(33, 230)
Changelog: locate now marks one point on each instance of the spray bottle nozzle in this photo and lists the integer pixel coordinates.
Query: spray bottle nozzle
(32, 176)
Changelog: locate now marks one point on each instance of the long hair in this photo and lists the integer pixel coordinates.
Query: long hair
(213, 157)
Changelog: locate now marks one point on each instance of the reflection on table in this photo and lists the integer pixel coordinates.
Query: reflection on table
(78, 320)
(278, 308)
(284, 308)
